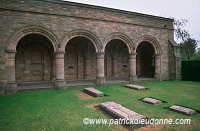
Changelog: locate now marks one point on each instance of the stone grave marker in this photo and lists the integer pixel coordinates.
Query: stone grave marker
(135, 87)
(152, 101)
(118, 111)
(182, 110)
(94, 92)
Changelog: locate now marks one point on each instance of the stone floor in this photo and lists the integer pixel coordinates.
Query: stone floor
(75, 84)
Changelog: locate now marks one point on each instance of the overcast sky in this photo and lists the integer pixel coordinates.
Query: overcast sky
(179, 9)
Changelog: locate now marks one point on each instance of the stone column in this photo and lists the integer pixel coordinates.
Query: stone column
(53, 69)
(60, 83)
(132, 68)
(87, 66)
(100, 80)
(10, 67)
(115, 66)
(157, 67)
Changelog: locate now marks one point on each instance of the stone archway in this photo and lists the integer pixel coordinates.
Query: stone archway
(145, 60)
(80, 59)
(127, 66)
(11, 50)
(33, 60)
(153, 64)
(116, 59)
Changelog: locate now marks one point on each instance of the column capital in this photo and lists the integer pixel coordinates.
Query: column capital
(100, 55)
(11, 54)
(59, 55)
(157, 55)
(11, 51)
(59, 52)
(132, 55)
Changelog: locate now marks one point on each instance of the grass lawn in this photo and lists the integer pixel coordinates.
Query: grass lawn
(65, 109)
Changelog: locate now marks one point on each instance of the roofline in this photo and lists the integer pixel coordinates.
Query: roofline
(107, 9)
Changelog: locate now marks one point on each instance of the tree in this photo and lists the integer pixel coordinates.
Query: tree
(181, 34)
(188, 48)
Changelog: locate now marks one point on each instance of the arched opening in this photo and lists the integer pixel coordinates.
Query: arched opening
(116, 59)
(80, 59)
(34, 59)
(145, 60)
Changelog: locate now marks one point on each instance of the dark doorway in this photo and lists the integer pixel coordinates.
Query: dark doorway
(145, 60)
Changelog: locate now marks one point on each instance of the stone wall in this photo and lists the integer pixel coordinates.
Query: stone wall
(61, 21)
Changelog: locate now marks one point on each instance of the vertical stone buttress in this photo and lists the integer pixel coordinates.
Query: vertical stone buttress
(132, 68)
(177, 59)
(100, 80)
(60, 82)
(158, 76)
(10, 64)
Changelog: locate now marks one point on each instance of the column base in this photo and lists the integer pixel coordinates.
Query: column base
(60, 85)
(100, 81)
(178, 77)
(133, 79)
(11, 88)
(157, 77)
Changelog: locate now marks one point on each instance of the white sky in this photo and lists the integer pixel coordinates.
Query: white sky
(179, 9)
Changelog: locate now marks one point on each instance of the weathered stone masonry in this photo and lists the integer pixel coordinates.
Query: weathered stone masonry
(59, 41)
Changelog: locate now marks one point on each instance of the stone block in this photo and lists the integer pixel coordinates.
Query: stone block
(94, 92)
(152, 101)
(118, 111)
(182, 110)
(135, 87)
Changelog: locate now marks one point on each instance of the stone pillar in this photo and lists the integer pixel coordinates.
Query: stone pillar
(115, 66)
(10, 67)
(53, 69)
(60, 83)
(132, 68)
(100, 80)
(158, 67)
(87, 66)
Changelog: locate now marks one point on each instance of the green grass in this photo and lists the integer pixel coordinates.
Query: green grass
(63, 110)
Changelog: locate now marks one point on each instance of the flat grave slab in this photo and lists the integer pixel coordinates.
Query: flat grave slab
(118, 111)
(181, 109)
(94, 92)
(152, 101)
(136, 87)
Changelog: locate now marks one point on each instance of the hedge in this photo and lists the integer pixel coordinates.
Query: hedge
(191, 70)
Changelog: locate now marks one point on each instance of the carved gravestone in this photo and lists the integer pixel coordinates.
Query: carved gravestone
(94, 92)
(135, 87)
(118, 111)
(152, 101)
(182, 110)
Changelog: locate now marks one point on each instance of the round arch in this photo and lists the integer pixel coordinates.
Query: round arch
(120, 36)
(18, 35)
(151, 40)
(81, 33)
